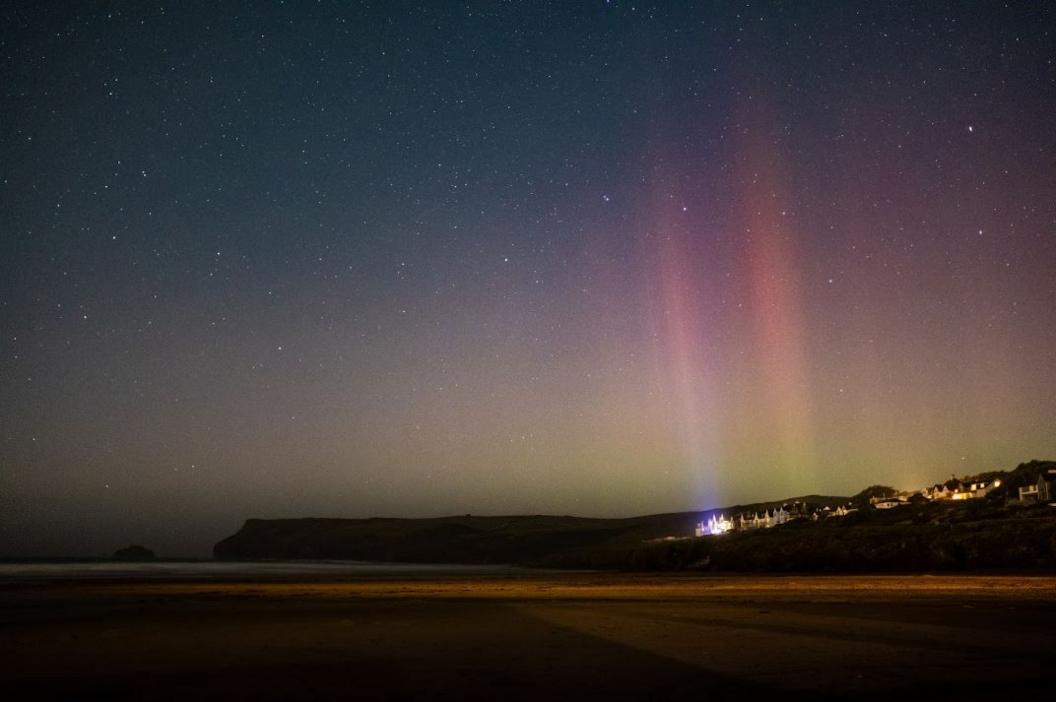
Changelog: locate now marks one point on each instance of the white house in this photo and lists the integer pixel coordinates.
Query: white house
(1029, 493)
(971, 491)
(1047, 486)
(761, 520)
(714, 526)
(961, 490)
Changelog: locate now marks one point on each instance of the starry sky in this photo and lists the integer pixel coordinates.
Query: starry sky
(281, 259)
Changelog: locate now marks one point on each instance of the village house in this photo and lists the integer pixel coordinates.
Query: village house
(749, 520)
(1047, 486)
(960, 490)
(765, 520)
(969, 491)
(827, 512)
(1043, 491)
(1028, 493)
(937, 492)
(714, 526)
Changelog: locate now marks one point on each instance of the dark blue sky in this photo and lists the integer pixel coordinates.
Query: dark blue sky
(604, 258)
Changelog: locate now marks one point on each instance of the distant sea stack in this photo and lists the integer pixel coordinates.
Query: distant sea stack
(134, 552)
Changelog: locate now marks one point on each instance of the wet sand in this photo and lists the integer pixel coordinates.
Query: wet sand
(528, 636)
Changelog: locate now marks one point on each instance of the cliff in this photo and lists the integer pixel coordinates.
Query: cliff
(981, 534)
(529, 540)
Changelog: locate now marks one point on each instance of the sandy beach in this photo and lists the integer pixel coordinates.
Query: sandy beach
(524, 636)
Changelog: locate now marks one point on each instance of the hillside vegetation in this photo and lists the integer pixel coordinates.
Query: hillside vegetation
(993, 532)
(531, 540)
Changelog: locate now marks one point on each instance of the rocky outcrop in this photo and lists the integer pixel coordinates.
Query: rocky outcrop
(134, 552)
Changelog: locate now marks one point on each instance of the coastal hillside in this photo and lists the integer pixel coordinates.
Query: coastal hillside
(873, 543)
(529, 540)
(991, 521)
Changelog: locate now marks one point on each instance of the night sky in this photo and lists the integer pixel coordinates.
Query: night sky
(595, 258)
